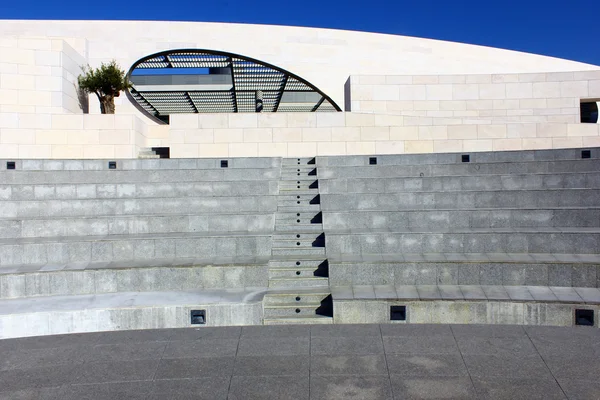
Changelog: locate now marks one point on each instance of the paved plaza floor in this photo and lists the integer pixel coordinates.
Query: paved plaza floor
(307, 362)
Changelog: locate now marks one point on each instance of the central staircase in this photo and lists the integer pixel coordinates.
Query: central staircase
(298, 270)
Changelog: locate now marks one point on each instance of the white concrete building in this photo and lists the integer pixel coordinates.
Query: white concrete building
(384, 94)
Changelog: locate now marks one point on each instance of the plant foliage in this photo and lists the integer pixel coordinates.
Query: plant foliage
(106, 82)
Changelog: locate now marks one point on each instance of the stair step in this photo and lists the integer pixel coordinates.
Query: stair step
(299, 208)
(289, 227)
(312, 195)
(289, 273)
(313, 320)
(290, 310)
(304, 297)
(298, 161)
(298, 282)
(302, 251)
(292, 262)
(295, 244)
(295, 203)
(297, 236)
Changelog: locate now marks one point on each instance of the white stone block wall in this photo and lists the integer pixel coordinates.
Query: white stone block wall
(541, 97)
(310, 134)
(71, 136)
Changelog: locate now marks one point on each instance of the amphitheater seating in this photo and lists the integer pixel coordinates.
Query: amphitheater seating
(451, 223)
(502, 237)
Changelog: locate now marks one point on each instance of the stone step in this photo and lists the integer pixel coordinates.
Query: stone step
(297, 244)
(310, 196)
(295, 202)
(293, 216)
(298, 161)
(298, 282)
(292, 187)
(305, 272)
(281, 226)
(290, 310)
(295, 236)
(298, 192)
(297, 177)
(308, 208)
(293, 262)
(312, 320)
(298, 296)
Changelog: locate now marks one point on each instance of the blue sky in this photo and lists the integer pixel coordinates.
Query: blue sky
(560, 28)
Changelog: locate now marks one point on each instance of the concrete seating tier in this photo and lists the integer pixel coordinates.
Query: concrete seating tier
(580, 180)
(135, 225)
(136, 164)
(127, 311)
(456, 158)
(62, 250)
(447, 220)
(39, 280)
(566, 270)
(509, 237)
(462, 169)
(464, 304)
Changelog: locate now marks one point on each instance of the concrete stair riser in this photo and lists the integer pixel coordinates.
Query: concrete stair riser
(136, 190)
(299, 282)
(319, 320)
(475, 242)
(292, 273)
(299, 251)
(137, 176)
(295, 244)
(460, 200)
(305, 298)
(453, 183)
(452, 219)
(278, 311)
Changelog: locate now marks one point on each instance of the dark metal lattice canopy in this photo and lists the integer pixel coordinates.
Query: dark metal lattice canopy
(204, 81)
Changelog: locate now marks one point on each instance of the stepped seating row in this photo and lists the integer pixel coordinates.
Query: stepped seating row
(567, 180)
(440, 220)
(135, 176)
(20, 192)
(497, 220)
(148, 164)
(462, 169)
(63, 212)
(453, 158)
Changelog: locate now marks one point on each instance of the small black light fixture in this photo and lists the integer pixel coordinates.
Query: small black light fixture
(586, 154)
(11, 165)
(465, 158)
(198, 317)
(584, 317)
(372, 160)
(224, 164)
(397, 313)
(112, 165)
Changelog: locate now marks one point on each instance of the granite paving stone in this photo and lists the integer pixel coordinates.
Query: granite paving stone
(576, 388)
(352, 387)
(116, 371)
(273, 346)
(422, 387)
(363, 345)
(435, 344)
(271, 365)
(356, 361)
(211, 388)
(348, 365)
(506, 365)
(269, 388)
(201, 348)
(518, 389)
(427, 365)
(103, 391)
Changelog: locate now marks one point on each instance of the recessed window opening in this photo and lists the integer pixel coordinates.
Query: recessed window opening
(589, 112)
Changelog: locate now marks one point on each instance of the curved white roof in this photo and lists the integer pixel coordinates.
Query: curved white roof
(324, 57)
